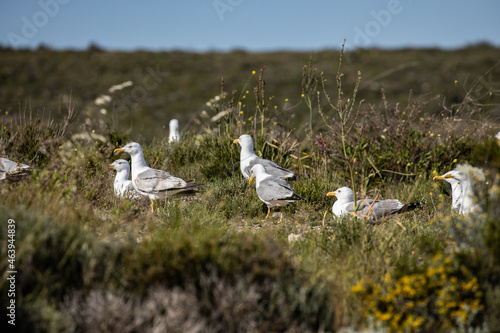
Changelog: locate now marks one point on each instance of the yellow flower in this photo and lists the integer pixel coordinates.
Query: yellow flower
(409, 291)
(460, 313)
(286, 99)
(417, 322)
(385, 316)
(302, 95)
(357, 288)
(408, 164)
(455, 160)
(253, 72)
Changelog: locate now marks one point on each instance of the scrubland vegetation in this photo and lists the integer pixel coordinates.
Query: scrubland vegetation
(383, 122)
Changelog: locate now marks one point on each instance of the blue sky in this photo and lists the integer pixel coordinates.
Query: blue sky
(254, 25)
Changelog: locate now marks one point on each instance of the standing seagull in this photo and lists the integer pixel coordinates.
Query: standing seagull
(123, 185)
(368, 208)
(173, 135)
(273, 191)
(248, 159)
(462, 193)
(156, 184)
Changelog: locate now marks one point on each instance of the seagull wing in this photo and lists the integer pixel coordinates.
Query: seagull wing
(274, 188)
(379, 208)
(271, 167)
(154, 181)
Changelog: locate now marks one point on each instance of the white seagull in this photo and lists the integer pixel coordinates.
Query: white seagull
(248, 159)
(173, 135)
(12, 171)
(462, 192)
(273, 191)
(123, 185)
(156, 184)
(368, 208)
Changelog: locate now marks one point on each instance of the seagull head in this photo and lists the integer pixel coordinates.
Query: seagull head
(245, 141)
(173, 125)
(257, 169)
(132, 148)
(342, 194)
(452, 177)
(120, 165)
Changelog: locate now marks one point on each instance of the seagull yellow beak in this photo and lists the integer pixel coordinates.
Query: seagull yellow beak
(235, 141)
(449, 176)
(111, 166)
(118, 150)
(330, 194)
(251, 180)
(438, 178)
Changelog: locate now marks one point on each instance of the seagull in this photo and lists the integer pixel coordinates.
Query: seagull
(174, 135)
(123, 185)
(248, 159)
(462, 193)
(12, 171)
(368, 208)
(153, 183)
(272, 190)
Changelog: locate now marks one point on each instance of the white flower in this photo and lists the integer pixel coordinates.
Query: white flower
(102, 100)
(120, 86)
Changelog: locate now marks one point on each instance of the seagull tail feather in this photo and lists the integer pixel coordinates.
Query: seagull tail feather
(411, 206)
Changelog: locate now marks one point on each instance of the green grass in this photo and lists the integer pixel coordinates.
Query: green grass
(88, 261)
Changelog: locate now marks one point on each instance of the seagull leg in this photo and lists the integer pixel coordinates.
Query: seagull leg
(268, 211)
(152, 206)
